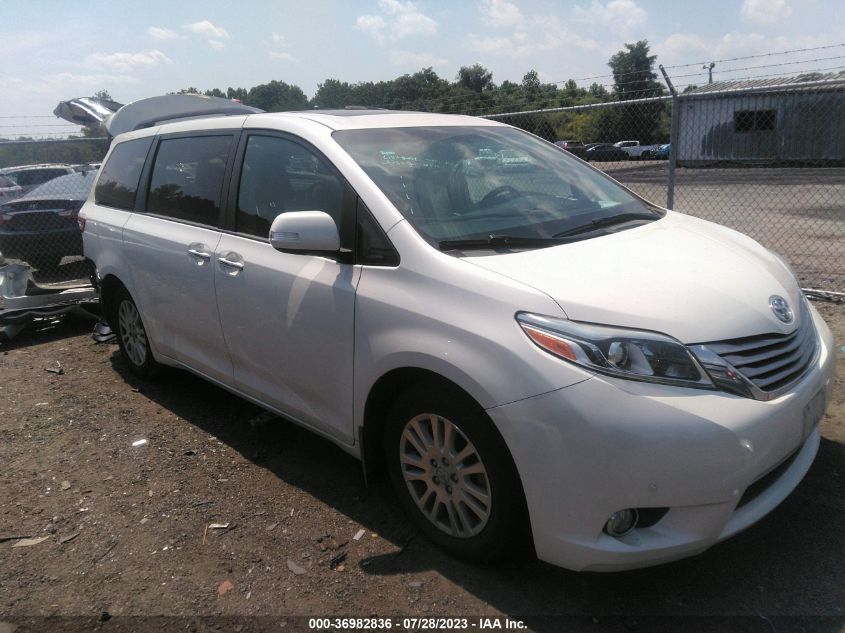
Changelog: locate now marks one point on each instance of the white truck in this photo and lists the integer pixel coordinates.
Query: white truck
(635, 150)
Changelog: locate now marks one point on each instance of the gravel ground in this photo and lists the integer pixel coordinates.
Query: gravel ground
(122, 480)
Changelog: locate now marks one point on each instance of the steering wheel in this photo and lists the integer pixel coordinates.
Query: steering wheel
(491, 196)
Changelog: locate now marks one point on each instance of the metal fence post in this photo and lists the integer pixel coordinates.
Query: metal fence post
(673, 140)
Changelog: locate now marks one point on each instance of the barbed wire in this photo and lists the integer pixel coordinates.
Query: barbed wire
(734, 59)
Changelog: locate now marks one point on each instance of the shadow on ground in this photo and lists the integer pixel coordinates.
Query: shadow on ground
(790, 564)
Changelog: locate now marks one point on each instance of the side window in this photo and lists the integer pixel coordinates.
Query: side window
(279, 175)
(187, 178)
(118, 182)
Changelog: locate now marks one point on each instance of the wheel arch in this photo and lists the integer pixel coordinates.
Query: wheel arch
(384, 393)
(387, 389)
(109, 287)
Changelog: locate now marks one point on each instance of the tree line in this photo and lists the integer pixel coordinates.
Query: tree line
(472, 91)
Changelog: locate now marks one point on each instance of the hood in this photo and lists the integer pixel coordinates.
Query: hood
(693, 280)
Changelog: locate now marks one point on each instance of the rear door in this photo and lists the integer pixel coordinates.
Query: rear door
(288, 317)
(171, 249)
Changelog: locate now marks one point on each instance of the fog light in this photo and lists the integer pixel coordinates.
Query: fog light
(622, 522)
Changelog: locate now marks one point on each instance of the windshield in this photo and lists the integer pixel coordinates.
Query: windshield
(456, 184)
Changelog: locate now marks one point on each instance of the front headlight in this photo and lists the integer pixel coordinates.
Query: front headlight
(631, 354)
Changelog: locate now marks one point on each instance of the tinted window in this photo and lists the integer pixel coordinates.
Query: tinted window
(279, 176)
(118, 181)
(38, 176)
(187, 178)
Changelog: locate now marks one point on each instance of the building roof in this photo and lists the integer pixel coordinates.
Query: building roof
(771, 82)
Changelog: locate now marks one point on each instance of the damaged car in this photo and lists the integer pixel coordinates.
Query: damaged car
(537, 356)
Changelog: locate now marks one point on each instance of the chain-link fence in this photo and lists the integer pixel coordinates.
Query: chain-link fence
(765, 158)
(43, 185)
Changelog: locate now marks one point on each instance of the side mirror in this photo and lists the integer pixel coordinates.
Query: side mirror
(304, 231)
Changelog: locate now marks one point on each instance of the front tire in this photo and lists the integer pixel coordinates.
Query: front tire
(132, 336)
(454, 476)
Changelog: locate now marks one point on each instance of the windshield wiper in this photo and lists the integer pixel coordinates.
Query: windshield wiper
(498, 241)
(598, 223)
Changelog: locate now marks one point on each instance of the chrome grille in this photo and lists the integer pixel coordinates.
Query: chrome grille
(772, 361)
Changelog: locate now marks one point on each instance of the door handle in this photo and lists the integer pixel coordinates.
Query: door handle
(201, 254)
(231, 264)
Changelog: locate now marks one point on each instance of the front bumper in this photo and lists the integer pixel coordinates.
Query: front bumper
(602, 445)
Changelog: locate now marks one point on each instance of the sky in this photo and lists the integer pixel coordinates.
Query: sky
(54, 50)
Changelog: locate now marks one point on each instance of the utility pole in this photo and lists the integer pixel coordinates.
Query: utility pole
(709, 69)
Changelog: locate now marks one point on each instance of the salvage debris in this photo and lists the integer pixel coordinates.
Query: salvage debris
(58, 370)
(337, 560)
(103, 333)
(359, 534)
(139, 442)
(28, 542)
(225, 587)
(65, 485)
(217, 526)
(296, 569)
(16, 537)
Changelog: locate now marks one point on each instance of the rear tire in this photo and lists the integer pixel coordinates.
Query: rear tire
(454, 475)
(132, 335)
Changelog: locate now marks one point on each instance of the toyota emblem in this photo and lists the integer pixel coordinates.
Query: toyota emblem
(781, 308)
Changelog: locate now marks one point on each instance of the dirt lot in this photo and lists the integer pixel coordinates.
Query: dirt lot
(125, 525)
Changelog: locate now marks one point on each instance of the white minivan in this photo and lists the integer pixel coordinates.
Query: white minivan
(534, 353)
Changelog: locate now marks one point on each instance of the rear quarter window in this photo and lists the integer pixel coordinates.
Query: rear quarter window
(118, 183)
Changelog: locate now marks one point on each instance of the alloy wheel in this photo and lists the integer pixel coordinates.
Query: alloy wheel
(132, 332)
(445, 475)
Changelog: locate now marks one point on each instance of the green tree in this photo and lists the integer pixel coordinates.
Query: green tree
(634, 79)
(476, 78)
(277, 96)
(633, 72)
(237, 93)
(333, 93)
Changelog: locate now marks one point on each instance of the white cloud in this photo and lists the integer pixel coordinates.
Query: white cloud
(282, 55)
(501, 14)
(207, 29)
(617, 15)
(277, 44)
(126, 62)
(416, 60)
(160, 33)
(397, 20)
(372, 25)
(541, 33)
(216, 35)
(765, 11)
(683, 46)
